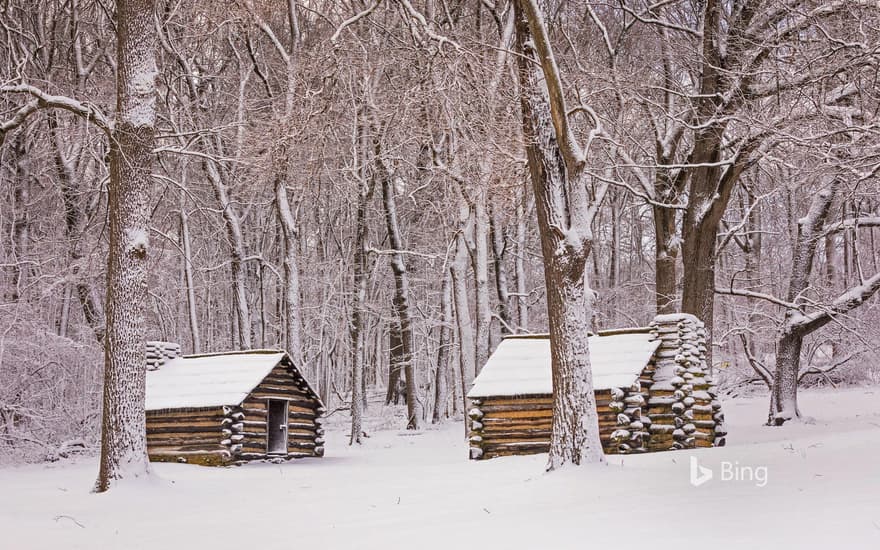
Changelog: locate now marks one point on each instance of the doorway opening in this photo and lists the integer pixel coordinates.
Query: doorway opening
(276, 427)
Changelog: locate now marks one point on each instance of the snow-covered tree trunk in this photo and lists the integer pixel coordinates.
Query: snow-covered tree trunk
(291, 293)
(791, 335)
(499, 255)
(565, 212)
(358, 330)
(191, 305)
(123, 427)
(243, 328)
(441, 378)
(401, 300)
(464, 326)
(286, 214)
(481, 276)
(522, 298)
(665, 251)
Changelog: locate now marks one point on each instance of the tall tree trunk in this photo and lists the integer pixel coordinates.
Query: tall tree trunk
(123, 433)
(401, 300)
(291, 297)
(191, 305)
(481, 277)
(790, 340)
(499, 254)
(441, 379)
(20, 219)
(522, 298)
(709, 187)
(286, 217)
(243, 327)
(358, 330)
(665, 255)
(565, 215)
(467, 356)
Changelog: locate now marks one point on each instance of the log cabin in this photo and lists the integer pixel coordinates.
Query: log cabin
(652, 385)
(229, 408)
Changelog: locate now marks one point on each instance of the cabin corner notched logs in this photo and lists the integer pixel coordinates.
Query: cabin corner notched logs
(214, 409)
(653, 393)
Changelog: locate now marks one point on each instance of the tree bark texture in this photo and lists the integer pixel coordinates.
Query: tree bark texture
(123, 428)
(564, 220)
(441, 378)
(404, 359)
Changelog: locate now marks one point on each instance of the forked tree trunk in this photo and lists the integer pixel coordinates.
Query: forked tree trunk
(123, 427)
(291, 298)
(565, 214)
(499, 254)
(789, 344)
(243, 330)
(401, 301)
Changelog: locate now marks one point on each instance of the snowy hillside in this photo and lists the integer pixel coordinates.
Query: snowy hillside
(404, 490)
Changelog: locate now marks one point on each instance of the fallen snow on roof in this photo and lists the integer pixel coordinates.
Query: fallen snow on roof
(208, 380)
(521, 366)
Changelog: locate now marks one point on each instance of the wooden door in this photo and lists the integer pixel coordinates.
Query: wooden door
(276, 427)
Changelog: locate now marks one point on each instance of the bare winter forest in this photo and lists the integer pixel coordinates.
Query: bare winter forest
(387, 188)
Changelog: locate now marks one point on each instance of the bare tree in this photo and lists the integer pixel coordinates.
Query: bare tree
(123, 439)
(566, 206)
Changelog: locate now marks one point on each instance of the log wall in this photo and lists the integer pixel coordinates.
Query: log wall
(504, 426)
(187, 435)
(672, 405)
(682, 402)
(233, 434)
(305, 435)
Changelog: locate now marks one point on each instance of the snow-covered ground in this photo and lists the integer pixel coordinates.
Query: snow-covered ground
(403, 490)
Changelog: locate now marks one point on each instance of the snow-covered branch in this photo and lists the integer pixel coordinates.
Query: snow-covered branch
(757, 295)
(568, 144)
(844, 303)
(354, 19)
(43, 100)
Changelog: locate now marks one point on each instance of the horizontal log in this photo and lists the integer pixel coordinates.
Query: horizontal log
(173, 414)
(212, 423)
(250, 447)
(512, 426)
(205, 458)
(254, 415)
(537, 438)
(183, 441)
(544, 413)
(186, 448)
(488, 409)
(184, 429)
(495, 401)
(264, 456)
(540, 446)
(295, 406)
(260, 403)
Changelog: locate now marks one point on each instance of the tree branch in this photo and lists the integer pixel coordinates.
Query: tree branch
(42, 100)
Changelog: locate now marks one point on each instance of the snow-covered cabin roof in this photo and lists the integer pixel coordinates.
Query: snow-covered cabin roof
(209, 380)
(521, 365)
